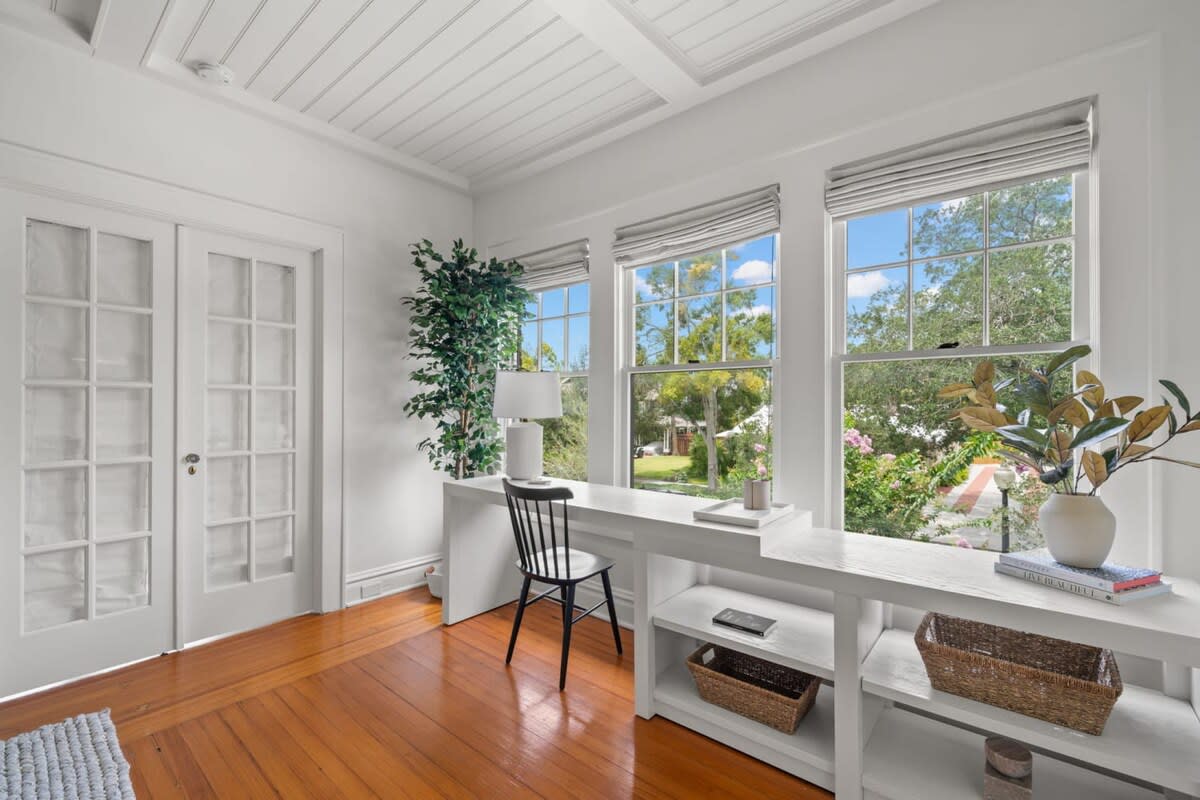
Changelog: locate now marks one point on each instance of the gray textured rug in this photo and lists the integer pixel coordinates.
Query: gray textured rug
(76, 759)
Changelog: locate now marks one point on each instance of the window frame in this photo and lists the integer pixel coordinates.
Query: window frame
(566, 318)
(563, 375)
(1084, 325)
(628, 342)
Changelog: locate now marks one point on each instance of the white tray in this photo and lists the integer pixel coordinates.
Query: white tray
(732, 512)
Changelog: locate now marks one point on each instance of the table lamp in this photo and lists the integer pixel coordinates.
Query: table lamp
(520, 397)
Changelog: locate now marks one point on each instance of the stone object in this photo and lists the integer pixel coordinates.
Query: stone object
(1010, 758)
(1002, 787)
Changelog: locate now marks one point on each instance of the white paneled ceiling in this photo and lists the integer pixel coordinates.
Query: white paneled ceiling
(474, 87)
(716, 36)
(472, 92)
(78, 17)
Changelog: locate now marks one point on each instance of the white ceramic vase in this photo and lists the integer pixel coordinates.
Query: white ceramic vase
(1079, 529)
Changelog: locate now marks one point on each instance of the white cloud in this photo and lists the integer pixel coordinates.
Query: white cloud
(753, 311)
(865, 284)
(756, 271)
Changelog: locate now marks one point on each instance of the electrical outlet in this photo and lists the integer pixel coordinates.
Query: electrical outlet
(371, 589)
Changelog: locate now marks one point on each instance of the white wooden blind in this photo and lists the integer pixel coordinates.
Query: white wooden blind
(734, 219)
(555, 266)
(1046, 143)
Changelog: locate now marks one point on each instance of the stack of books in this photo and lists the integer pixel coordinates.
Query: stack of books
(1111, 583)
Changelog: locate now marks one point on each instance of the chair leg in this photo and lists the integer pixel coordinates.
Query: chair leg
(568, 614)
(612, 610)
(512, 642)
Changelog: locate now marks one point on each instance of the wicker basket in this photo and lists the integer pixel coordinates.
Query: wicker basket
(760, 690)
(1068, 684)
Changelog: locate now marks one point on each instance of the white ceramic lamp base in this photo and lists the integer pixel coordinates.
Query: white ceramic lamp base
(523, 451)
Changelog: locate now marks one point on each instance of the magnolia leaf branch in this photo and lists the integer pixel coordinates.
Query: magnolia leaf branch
(1067, 450)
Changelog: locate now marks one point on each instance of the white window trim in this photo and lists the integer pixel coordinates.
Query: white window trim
(627, 349)
(566, 317)
(1083, 322)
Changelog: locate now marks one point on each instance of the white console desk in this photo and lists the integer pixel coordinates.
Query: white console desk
(880, 731)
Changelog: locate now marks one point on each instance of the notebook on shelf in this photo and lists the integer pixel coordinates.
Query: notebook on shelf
(1107, 578)
(744, 621)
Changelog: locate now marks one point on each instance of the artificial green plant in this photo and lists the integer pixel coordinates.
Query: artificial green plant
(465, 324)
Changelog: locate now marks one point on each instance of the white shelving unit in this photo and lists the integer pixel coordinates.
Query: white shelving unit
(933, 750)
(802, 638)
(807, 753)
(1149, 736)
(910, 757)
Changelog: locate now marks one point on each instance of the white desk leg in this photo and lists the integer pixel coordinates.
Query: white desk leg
(644, 670)
(848, 741)
(480, 556)
(655, 579)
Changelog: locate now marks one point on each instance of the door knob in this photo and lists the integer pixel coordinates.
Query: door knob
(191, 458)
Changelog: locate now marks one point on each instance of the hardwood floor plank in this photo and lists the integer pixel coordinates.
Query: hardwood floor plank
(228, 768)
(306, 753)
(189, 778)
(381, 701)
(156, 684)
(531, 759)
(410, 774)
(387, 716)
(374, 767)
(268, 756)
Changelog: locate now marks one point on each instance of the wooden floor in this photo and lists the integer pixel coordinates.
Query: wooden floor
(380, 701)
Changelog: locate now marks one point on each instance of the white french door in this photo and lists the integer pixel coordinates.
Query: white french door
(87, 332)
(245, 433)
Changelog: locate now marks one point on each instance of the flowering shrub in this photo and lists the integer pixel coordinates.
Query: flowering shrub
(886, 493)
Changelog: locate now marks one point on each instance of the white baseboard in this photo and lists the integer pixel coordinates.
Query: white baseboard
(377, 582)
(388, 579)
(592, 592)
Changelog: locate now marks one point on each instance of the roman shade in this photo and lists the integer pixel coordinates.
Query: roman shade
(1046, 143)
(554, 266)
(724, 222)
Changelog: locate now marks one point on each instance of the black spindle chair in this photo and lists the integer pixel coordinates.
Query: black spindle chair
(545, 555)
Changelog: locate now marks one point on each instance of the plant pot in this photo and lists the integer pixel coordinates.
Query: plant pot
(434, 577)
(1079, 529)
(756, 494)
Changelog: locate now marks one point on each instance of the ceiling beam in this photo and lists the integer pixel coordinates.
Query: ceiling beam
(611, 26)
(125, 29)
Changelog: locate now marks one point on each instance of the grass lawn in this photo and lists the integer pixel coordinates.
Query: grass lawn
(659, 468)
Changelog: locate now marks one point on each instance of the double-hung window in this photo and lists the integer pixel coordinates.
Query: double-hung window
(701, 344)
(555, 337)
(970, 250)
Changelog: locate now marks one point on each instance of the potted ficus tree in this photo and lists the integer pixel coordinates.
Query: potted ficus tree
(465, 324)
(1076, 437)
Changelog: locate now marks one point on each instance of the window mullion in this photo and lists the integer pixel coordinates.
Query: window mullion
(986, 337)
(723, 296)
(675, 318)
(910, 279)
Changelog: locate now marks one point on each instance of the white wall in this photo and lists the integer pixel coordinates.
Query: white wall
(950, 67)
(57, 101)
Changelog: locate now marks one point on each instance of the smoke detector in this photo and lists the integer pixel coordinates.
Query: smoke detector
(214, 73)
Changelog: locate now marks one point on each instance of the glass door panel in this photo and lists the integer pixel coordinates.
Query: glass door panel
(245, 411)
(88, 378)
(87, 335)
(249, 498)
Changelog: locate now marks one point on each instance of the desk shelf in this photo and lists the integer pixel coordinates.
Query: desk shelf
(1149, 736)
(802, 639)
(807, 753)
(910, 757)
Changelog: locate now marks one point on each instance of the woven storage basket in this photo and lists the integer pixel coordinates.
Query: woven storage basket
(760, 690)
(1068, 684)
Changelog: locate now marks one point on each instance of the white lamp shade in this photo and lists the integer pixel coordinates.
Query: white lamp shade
(527, 395)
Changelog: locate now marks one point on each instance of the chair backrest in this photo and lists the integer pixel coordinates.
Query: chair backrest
(538, 534)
